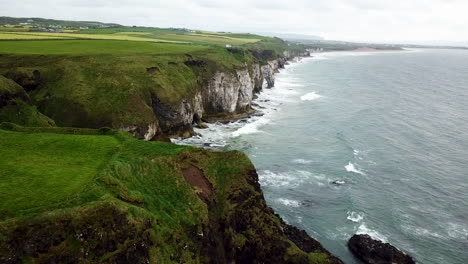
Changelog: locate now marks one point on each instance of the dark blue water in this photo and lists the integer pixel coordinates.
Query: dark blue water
(391, 128)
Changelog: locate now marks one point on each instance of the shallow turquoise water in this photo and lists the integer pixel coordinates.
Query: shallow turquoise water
(391, 128)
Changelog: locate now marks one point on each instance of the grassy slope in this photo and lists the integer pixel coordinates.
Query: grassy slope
(44, 176)
(64, 184)
(56, 169)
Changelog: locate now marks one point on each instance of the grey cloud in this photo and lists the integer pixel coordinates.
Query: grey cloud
(334, 19)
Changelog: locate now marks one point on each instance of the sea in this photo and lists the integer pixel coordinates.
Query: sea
(364, 143)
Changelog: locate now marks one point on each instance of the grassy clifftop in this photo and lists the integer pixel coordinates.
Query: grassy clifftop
(86, 196)
(108, 82)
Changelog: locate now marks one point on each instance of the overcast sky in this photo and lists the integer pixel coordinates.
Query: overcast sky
(355, 20)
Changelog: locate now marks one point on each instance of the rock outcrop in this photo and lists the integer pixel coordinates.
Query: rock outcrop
(371, 251)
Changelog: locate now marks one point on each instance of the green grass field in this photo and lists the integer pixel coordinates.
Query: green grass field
(80, 47)
(218, 39)
(45, 170)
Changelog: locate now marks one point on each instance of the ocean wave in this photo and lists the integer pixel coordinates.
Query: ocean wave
(305, 175)
(354, 217)
(289, 202)
(341, 233)
(364, 230)
(310, 96)
(302, 161)
(252, 127)
(419, 231)
(269, 178)
(352, 168)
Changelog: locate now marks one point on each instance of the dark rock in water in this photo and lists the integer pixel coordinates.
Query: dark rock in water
(307, 203)
(338, 182)
(371, 251)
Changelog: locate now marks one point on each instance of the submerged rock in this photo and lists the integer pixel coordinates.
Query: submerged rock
(338, 182)
(371, 251)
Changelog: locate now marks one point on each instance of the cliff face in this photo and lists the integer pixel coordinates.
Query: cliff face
(224, 95)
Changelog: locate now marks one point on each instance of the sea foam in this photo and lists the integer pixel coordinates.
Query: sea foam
(310, 96)
(364, 230)
(269, 178)
(288, 202)
(302, 161)
(354, 217)
(352, 168)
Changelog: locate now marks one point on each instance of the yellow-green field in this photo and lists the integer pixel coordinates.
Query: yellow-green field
(11, 33)
(22, 36)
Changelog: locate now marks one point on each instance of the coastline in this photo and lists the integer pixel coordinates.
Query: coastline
(215, 135)
(340, 80)
(225, 136)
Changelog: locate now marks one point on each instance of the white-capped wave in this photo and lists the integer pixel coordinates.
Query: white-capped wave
(354, 217)
(352, 168)
(457, 231)
(364, 230)
(310, 96)
(269, 178)
(305, 175)
(251, 128)
(302, 161)
(289, 202)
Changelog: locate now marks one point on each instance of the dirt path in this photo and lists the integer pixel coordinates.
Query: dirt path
(197, 179)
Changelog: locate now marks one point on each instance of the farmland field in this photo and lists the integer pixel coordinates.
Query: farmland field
(21, 36)
(45, 35)
(134, 34)
(70, 47)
